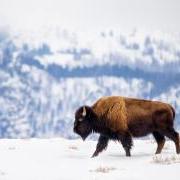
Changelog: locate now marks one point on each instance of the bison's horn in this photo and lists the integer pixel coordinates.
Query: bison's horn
(84, 111)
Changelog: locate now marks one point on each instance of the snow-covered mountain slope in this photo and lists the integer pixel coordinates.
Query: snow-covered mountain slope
(46, 76)
(152, 52)
(55, 159)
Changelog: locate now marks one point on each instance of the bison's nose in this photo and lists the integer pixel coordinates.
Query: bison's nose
(75, 127)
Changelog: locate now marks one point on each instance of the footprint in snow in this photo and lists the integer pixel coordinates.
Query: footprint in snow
(103, 169)
(73, 147)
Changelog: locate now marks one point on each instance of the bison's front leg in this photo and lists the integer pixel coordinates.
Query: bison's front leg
(101, 145)
(126, 141)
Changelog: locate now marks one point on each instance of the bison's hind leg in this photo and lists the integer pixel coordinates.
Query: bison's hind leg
(173, 135)
(126, 141)
(160, 139)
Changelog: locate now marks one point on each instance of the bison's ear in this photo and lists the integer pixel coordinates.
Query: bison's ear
(84, 112)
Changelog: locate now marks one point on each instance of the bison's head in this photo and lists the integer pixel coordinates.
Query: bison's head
(83, 121)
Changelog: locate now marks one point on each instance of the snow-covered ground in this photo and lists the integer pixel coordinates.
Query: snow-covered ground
(61, 159)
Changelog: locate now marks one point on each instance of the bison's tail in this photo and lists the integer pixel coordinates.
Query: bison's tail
(173, 111)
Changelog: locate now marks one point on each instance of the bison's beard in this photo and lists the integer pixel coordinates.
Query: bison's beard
(83, 132)
(84, 136)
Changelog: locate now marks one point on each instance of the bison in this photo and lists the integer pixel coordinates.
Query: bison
(121, 118)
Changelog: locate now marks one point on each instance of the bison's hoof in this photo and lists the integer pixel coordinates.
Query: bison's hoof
(128, 154)
(158, 152)
(94, 155)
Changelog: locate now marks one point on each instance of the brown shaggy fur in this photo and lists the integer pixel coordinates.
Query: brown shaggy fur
(115, 111)
(121, 118)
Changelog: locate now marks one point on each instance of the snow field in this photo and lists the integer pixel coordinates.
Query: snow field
(61, 159)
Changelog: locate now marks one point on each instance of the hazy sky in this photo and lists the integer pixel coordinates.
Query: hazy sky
(92, 14)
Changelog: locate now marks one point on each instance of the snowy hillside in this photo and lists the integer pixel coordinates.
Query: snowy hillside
(54, 159)
(46, 76)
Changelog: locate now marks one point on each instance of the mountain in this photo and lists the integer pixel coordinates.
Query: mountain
(46, 76)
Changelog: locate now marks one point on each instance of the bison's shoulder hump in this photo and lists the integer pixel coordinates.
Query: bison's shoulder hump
(113, 110)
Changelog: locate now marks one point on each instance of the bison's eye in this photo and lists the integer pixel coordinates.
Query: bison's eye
(80, 119)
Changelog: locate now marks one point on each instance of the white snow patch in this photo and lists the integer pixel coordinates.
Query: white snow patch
(170, 159)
